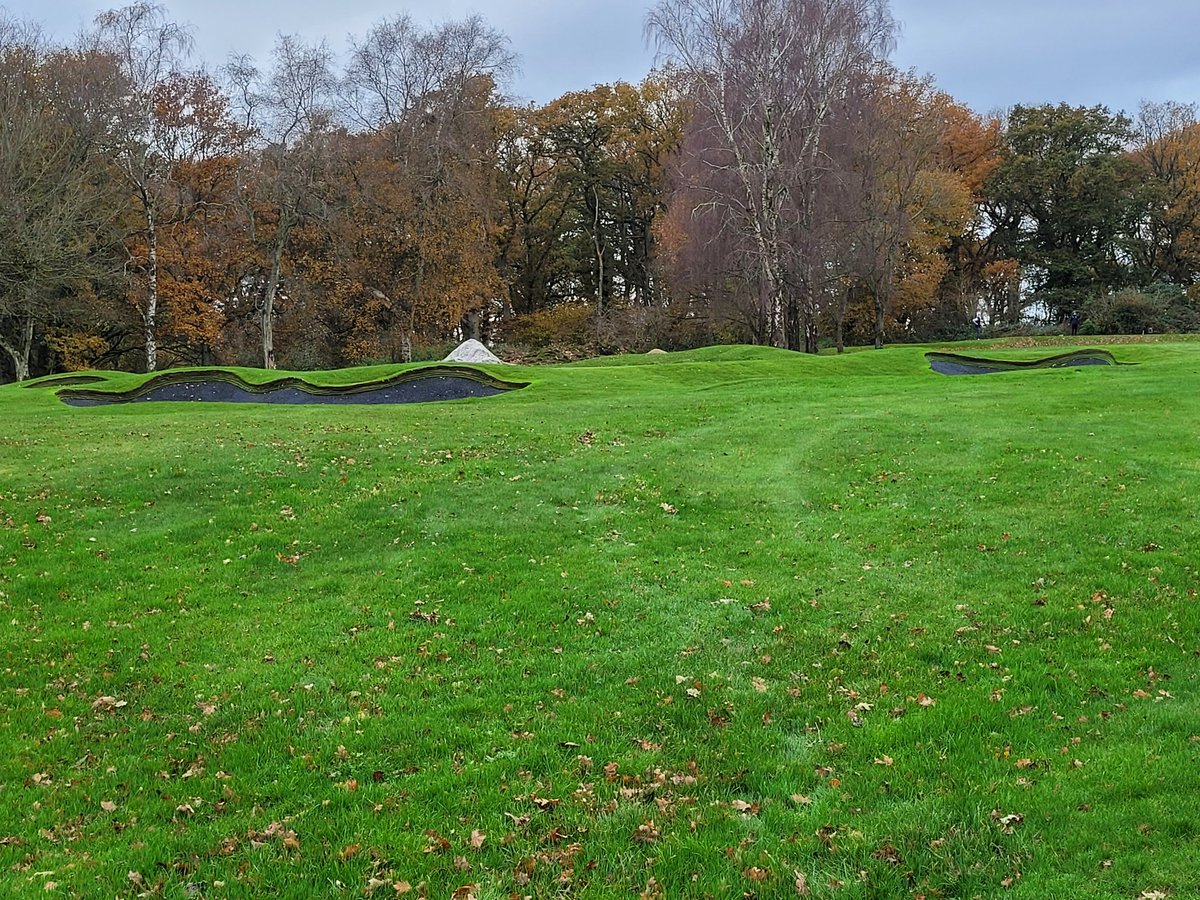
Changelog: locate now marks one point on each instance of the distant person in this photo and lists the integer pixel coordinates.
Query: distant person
(1074, 323)
(978, 323)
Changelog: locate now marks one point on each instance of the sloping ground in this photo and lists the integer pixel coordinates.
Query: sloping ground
(424, 385)
(58, 381)
(956, 364)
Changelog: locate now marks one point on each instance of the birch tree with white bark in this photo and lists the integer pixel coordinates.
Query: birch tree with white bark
(765, 77)
(148, 49)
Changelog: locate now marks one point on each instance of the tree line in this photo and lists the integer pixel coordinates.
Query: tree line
(775, 181)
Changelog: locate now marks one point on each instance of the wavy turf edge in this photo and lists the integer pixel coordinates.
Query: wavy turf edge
(191, 376)
(983, 365)
(59, 381)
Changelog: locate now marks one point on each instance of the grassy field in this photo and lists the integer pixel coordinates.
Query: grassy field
(726, 623)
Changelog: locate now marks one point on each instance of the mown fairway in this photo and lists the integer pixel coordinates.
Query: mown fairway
(718, 624)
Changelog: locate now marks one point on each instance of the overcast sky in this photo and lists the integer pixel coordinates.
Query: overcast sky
(987, 55)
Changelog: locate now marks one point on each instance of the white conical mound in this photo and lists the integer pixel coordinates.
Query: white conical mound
(471, 351)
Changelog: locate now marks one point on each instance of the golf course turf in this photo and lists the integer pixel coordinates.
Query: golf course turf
(734, 622)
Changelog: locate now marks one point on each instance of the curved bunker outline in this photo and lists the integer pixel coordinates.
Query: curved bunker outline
(58, 381)
(958, 364)
(424, 385)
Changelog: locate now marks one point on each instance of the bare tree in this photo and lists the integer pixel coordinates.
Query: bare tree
(892, 132)
(287, 114)
(55, 209)
(765, 76)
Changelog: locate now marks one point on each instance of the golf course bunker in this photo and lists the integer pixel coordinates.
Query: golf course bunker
(427, 385)
(956, 364)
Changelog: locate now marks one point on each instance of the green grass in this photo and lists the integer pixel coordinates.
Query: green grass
(686, 626)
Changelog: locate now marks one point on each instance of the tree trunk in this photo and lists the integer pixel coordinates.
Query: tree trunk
(470, 326)
(599, 247)
(840, 327)
(880, 313)
(267, 310)
(20, 355)
(151, 317)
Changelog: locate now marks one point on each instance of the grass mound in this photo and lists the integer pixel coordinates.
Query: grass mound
(720, 625)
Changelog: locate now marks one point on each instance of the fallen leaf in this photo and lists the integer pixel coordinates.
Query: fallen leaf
(646, 833)
(477, 839)
(884, 760)
(349, 852)
(107, 805)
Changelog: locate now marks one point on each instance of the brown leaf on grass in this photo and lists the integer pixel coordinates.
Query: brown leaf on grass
(754, 873)
(888, 854)
(925, 700)
(437, 843)
(466, 892)
(750, 809)
(801, 883)
(477, 839)
(1007, 823)
(759, 684)
(107, 704)
(349, 852)
(647, 745)
(646, 833)
(884, 760)
(108, 805)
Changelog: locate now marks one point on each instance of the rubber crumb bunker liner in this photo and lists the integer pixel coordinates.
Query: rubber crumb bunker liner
(424, 385)
(956, 364)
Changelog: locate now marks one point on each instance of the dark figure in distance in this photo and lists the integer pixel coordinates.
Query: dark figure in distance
(1074, 323)
(978, 327)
